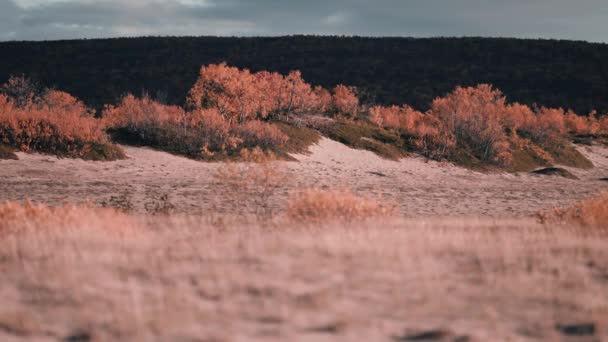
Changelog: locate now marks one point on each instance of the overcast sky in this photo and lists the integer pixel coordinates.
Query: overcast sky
(67, 19)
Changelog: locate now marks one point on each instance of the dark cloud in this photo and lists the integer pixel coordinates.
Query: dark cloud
(59, 19)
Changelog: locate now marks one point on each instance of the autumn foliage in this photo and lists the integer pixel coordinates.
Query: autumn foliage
(230, 109)
(202, 133)
(51, 121)
(240, 95)
(480, 120)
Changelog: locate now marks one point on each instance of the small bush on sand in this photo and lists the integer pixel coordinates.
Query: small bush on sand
(425, 132)
(591, 212)
(52, 122)
(314, 205)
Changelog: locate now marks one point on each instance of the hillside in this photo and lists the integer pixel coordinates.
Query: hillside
(387, 70)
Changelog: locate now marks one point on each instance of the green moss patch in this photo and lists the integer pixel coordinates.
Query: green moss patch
(366, 136)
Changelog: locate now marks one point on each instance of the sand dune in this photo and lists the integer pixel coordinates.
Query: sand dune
(419, 187)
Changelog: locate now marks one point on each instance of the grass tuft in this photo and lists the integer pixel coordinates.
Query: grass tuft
(591, 212)
(314, 205)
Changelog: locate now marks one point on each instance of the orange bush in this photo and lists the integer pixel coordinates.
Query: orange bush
(204, 132)
(54, 122)
(475, 116)
(240, 95)
(429, 133)
(480, 119)
(345, 100)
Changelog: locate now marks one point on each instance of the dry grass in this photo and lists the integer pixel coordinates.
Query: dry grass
(16, 217)
(591, 212)
(315, 205)
(183, 278)
(252, 181)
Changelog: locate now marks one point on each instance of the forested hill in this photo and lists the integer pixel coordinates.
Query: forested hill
(387, 70)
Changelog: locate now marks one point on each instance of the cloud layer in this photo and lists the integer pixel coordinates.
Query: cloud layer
(66, 19)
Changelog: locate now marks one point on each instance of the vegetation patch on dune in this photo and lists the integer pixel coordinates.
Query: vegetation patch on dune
(366, 136)
(53, 122)
(229, 110)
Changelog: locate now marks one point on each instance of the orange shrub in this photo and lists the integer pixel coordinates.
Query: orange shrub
(55, 123)
(428, 133)
(475, 116)
(204, 132)
(603, 124)
(345, 100)
(578, 124)
(240, 95)
(231, 91)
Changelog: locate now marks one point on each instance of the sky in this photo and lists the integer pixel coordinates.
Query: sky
(69, 19)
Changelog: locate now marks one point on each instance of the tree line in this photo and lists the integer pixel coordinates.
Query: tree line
(387, 71)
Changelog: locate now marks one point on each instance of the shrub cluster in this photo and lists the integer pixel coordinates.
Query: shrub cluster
(51, 121)
(240, 95)
(202, 133)
(229, 109)
(480, 119)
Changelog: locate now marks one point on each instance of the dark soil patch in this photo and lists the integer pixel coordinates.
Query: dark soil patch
(582, 329)
(7, 153)
(555, 171)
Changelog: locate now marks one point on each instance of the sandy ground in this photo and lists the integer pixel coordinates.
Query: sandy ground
(498, 277)
(419, 187)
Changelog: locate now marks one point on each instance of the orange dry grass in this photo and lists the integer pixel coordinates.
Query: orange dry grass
(24, 216)
(340, 205)
(591, 212)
